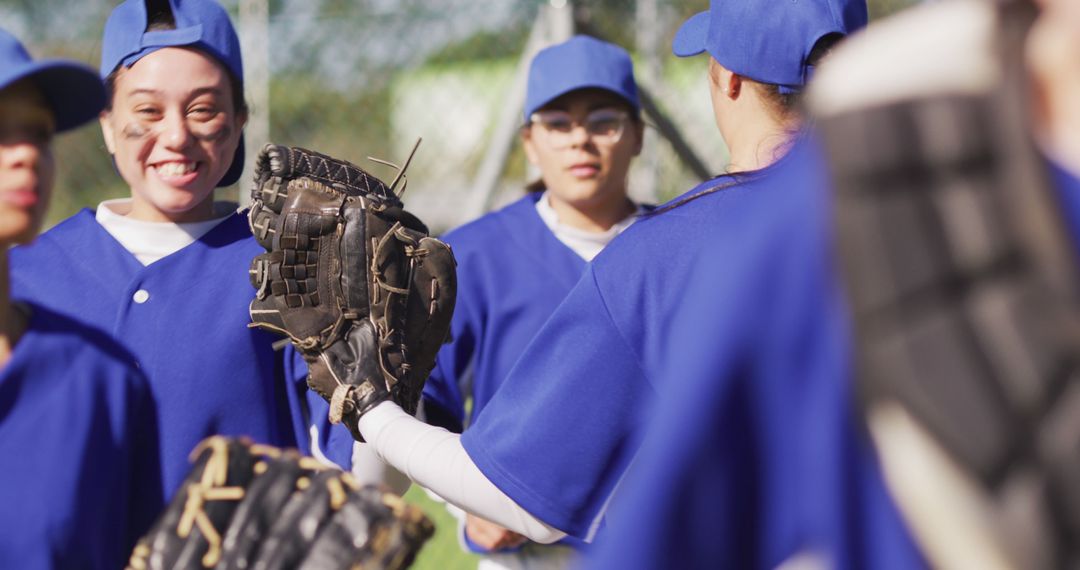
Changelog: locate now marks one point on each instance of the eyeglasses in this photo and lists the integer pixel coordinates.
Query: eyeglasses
(605, 126)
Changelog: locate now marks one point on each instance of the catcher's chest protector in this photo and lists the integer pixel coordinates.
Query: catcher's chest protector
(964, 287)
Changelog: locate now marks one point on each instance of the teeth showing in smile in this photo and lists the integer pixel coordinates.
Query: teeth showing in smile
(175, 168)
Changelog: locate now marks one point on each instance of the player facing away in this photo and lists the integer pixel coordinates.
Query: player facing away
(78, 435)
(955, 190)
(548, 452)
(165, 271)
(582, 130)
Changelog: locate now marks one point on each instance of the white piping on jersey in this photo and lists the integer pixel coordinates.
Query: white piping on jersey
(316, 451)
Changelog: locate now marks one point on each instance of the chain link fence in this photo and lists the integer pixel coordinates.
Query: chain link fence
(360, 78)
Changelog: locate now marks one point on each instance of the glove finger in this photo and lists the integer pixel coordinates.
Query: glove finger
(368, 533)
(432, 296)
(301, 520)
(274, 160)
(262, 504)
(187, 535)
(263, 224)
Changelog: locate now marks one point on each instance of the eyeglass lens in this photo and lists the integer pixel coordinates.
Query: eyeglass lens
(605, 126)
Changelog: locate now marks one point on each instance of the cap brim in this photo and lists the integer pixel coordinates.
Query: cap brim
(614, 90)
(74, 91)
(690, 39)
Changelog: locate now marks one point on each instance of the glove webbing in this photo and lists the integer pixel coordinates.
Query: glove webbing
(345, 397)
(385, 328)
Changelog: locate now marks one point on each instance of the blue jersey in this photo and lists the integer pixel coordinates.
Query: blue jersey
(512, 274)
(756, 457)
(561, 431)
(560, 434)
(1067, 185)
(78, 438)
(185, 318)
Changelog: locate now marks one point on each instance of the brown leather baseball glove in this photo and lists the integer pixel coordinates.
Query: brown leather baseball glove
(351, 278)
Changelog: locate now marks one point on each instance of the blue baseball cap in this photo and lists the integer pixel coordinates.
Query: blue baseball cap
(72, 90)
(578, 63)
(200, 24)
(767, 40)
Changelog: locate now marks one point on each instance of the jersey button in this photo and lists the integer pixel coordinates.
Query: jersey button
(141, 296)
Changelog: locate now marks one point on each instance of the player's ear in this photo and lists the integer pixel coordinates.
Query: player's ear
(733, 83)
(723, 82)
(529, 145)
(107, 132)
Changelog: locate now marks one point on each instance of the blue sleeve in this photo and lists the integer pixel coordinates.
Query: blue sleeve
(147, 498)
(293, 380)
(695, 496)
(757, 457)
(577, 377)
(444, 400)
(81, 478)
(307, 409)
(1067, 185)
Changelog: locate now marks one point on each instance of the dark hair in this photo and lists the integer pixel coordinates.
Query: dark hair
(160, 17)
(781, 106)
(536, 186)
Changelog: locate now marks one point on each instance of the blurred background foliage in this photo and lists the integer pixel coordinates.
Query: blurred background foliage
(359, 78)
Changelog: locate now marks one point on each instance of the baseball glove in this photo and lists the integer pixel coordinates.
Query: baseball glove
(962, 280)
(351, 278)
(257, 506)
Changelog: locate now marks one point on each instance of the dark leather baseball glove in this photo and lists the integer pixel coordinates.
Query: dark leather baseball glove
(256, 506)
(351, 278)
(961, 274)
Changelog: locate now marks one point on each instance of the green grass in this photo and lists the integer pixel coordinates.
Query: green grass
(442, 551)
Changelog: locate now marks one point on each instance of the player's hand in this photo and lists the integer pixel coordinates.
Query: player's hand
(489, 535)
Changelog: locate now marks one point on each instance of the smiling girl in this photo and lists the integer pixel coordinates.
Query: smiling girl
(165, 271)
(173, 127)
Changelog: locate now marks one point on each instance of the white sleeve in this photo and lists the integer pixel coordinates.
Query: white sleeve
(369, 469)
(434, 458)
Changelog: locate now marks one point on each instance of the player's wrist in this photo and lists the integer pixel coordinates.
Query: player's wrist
(372, 423)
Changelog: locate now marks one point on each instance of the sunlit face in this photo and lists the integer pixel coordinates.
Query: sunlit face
(26, 161)
(173, 131)
(579, 168)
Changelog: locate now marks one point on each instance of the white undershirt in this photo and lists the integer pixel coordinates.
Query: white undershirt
(584, 243)
(151, 241)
